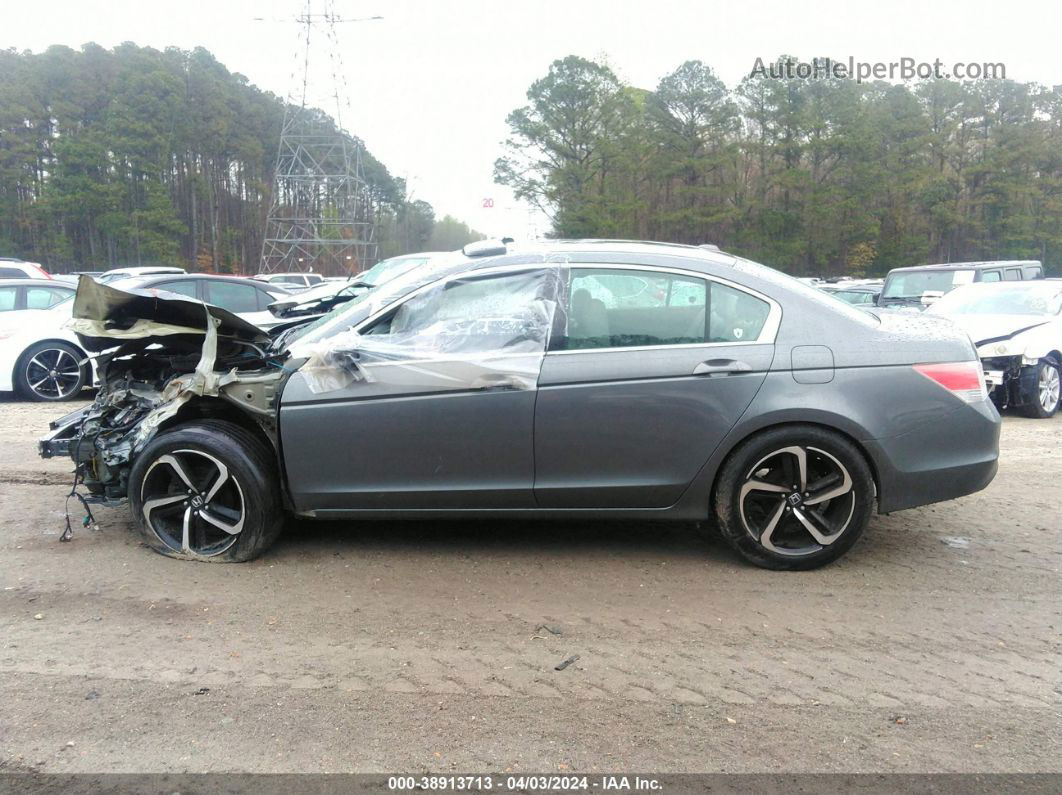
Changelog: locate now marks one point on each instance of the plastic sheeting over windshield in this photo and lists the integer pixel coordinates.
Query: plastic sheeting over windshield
(476, 331)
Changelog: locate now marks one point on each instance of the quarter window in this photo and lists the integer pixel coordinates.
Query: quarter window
(627, 308)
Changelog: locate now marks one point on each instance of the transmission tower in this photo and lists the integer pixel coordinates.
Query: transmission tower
(320, 218)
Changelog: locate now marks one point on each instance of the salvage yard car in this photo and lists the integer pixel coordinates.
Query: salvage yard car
(919, 286)
(504, 387)
(1017, 328)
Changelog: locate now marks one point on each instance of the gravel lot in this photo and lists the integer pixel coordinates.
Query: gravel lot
(412, 647)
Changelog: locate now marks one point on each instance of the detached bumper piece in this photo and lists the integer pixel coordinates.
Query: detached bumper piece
(63, 433)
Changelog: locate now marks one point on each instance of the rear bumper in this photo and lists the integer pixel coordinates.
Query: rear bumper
(946, 460)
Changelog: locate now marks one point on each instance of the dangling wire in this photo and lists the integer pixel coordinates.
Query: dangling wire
(89, 520)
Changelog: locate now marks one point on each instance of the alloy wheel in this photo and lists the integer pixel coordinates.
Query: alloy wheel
(193, 503)
(797, 500)
(53, 373)
(1049, 387)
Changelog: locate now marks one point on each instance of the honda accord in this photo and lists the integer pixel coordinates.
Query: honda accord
(578, 379)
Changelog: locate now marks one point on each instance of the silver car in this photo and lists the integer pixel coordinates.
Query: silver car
(578, 379)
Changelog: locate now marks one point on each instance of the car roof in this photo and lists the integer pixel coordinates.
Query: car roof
(184, 277)
(36, 283)
(1002, 263)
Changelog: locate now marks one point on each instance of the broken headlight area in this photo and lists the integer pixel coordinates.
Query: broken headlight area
(147, 385)
(1011, 382)
(159, 357)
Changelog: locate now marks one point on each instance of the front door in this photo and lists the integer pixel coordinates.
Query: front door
(430, 406)
(652, 370)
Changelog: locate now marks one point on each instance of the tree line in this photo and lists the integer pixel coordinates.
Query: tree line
(818, 176)
(139, 156)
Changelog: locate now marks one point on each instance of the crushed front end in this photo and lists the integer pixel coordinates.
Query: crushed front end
(160, 357)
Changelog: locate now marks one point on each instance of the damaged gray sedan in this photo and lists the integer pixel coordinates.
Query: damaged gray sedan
(582, 379)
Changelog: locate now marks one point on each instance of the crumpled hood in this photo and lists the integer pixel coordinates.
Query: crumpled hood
(995, 328)
(104, 315)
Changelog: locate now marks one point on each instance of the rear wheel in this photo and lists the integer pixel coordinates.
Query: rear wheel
(795, 497)
(1045, 392)
(207, 491)
(51, 371)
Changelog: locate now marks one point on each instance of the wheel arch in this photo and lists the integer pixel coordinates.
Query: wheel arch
(844, 429)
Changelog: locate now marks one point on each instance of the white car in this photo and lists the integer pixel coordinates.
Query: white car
(12, 268)
(292, 281)
(115, 274)
(1017, 328)
(39, 358)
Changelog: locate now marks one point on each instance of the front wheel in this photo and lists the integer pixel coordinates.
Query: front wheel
(1043, 399)
(207, 491)
(795, 497)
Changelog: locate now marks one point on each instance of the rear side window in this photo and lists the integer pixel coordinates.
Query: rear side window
(627, 308)
(43, 297)
(8, 295)
(233, 297)
(11, 273)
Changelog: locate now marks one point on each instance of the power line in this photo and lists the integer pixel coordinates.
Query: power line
(320, 217)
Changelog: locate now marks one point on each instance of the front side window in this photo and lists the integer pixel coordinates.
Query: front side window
(990, 276)
(473, 315)
(629, 308)
(1012, 275)
(473, 332)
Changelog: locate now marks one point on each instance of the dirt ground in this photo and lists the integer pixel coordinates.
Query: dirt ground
(414, 647)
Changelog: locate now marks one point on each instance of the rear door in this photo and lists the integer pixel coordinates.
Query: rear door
(647, 371)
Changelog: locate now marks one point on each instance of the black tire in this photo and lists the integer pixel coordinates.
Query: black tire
(1047, 374)
(248, 499)
(34, 379)
(753, 489)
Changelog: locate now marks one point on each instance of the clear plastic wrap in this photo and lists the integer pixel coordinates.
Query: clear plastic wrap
(480, 330)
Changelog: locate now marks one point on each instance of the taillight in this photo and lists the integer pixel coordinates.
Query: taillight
(40, 270)
(965, 380)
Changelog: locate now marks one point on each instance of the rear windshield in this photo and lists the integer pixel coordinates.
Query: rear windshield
(914, 284)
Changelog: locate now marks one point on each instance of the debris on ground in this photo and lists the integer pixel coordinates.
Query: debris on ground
(565, 663)
(956, 542)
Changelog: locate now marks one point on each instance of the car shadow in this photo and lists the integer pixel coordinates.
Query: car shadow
(501, 537)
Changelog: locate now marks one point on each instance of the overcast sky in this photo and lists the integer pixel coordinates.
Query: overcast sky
(431, 83)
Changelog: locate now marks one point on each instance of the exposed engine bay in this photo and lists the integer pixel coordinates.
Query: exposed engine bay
(160, 358)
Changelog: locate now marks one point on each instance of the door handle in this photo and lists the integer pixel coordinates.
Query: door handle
(722, 367)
